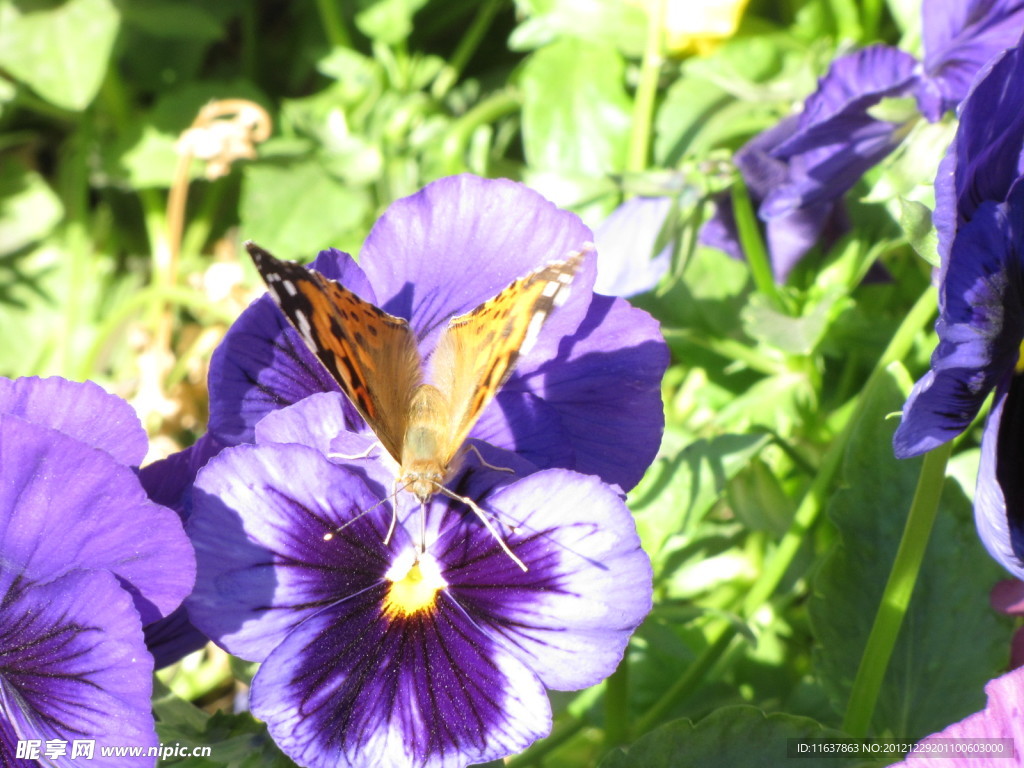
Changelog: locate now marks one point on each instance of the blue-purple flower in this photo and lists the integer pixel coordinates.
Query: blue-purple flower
(627, 262)
(431, 648)
(587, 397)
(85, 560)
(980, 218)
(960, 37)
(799, 170)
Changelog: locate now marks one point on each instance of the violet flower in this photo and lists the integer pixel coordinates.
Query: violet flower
(376, 652)
(798, 171)
(587, 397)
(980, 218)
(85, 560)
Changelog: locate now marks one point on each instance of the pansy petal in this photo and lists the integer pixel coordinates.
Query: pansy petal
(319, 421)
(65, 506)
(959, 37)
(351, 687)
(999, 495)
(459, 241)
(980, 328)
(172, 638)
(73, 666)
(606, 388)
(853, 83)
(985, 158)
(587, 588)
(1002, 718)
(258, 525)
(79, 409)
(626, 261)
(169, 481)
(261, 365)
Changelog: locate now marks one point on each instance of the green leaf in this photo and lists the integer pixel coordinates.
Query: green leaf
(795, 335)
(29, 209)
(61, 50)
(388, 21)
(737, 737)
(234, 741)
(602, 22)
(297, 209)
(677, 492)
(938, 670)
(172, 19)
(576, 113)
(916, 223)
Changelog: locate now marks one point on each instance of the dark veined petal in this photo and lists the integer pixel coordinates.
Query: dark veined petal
(588, 583)
(73, 666)
(79, 409)
(980, 327)
(258, 525)
(351, 687)
(66, 506)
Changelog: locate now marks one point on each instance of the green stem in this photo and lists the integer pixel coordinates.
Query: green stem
(487, 111)
(898, 591)
(753, 247)
(467, 46)
(334, 26)
(616, 706)
(870, 18)
(647, 89)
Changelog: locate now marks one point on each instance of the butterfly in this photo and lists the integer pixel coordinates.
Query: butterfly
(374, 358)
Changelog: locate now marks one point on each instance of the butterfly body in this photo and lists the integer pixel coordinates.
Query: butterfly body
(375, 360)
(423, 465)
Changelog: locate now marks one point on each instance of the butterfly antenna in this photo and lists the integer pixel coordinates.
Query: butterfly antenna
(334, 531)
(484, 518)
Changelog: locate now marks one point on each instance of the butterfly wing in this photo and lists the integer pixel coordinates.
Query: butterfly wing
(371, 354)
(478, 350)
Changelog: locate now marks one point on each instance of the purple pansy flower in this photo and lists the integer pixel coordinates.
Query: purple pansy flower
(627, 263)
(1002, 718)
(587, 397)
(980, 217)
(85, 560)
(383, 652)
(798, 170)
(788, 236)
(960, 37)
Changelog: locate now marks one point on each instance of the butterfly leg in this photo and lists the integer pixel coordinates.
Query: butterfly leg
(484, 518)
(484, 462)
(394, 512)
(365, 454)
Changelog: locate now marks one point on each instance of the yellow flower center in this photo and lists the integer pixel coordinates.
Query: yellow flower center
(415, 582)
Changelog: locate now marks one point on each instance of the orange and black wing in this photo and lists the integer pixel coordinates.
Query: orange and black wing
(479, 349)
(371, 354)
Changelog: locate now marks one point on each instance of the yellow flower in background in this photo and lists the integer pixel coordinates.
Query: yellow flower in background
(696, 26)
